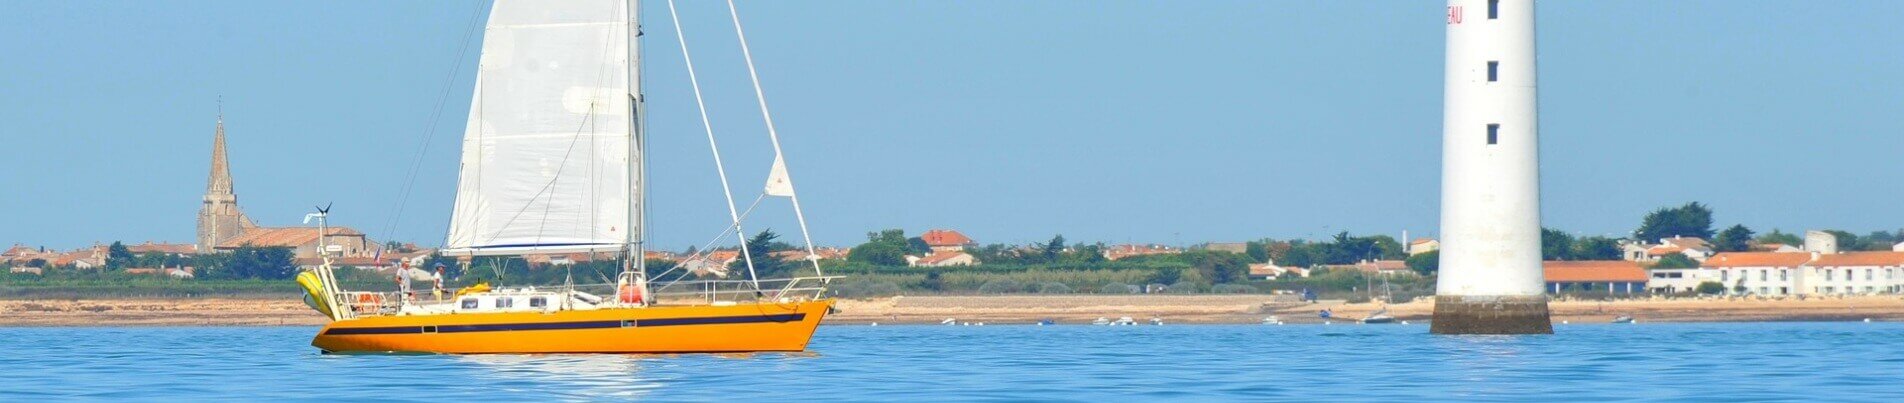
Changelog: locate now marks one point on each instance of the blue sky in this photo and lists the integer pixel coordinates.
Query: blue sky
(1116, 121)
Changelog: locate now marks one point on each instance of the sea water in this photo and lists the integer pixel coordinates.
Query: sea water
(1687, 362)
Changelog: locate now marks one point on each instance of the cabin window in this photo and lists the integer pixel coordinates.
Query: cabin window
(469, 303)
(1493, 133)
(538, 302)
(505, 302)
(1493, 9)
(1493, 71)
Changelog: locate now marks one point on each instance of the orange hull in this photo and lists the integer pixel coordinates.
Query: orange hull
(661, 329)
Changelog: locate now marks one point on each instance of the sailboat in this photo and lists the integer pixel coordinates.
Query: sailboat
(553, 162)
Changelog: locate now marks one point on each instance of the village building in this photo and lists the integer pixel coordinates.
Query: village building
(1422, 245)
(944, 259)
(1130, 250)
(1856, 273)
(1696, 248)
(303, 241)
(1232, 247)
(173, 249)
(945, 240)
(93, 257)
(1821, 242)
(1594, 276)
(1272, 271)
(1761, 273)
(22, 255)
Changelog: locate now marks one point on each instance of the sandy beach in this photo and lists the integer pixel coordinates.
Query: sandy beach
(1004, 309)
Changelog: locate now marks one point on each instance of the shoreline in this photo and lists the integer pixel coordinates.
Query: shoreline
(1001, 309)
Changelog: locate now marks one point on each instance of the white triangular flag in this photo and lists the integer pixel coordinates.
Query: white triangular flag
(778, 183)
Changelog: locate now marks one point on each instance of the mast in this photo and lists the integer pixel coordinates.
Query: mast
(637, 147)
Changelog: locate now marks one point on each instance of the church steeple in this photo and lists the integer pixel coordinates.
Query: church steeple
(220, 181)
(219, 218)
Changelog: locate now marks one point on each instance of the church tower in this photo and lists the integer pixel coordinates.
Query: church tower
(219, 218)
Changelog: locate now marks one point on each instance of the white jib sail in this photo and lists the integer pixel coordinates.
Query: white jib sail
(547, 160)
(778, 183)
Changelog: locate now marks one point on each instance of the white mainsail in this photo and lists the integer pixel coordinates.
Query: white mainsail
(549, 161)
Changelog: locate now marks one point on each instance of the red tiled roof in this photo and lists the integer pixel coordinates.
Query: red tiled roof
(945, 237)
(172, 248)
(1664, 250)
(1757, 259)
(1592, 271)
(281, 237)
(19, 250)
(937, 258)
(1860, 259)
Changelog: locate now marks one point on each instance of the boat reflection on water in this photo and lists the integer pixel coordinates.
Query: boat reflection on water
(597, 376)
(594, 376)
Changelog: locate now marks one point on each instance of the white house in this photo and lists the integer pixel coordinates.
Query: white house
(1856, 273)
(1761, 273)
(942, 259)
(1423, 245)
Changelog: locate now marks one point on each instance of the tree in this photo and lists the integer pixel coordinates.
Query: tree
(1555, 245)
(1846, 240)
(761, 248)
(250, 262)
(1781, 238)
(917, 246)
(1426, 264)
(1691, 220)
(1596, 248)
(1052, 249)
(1710, 288)
(884, 248)
(1387, 248)
(1086, 254)
(1300, 254)
(1736, 238)
(1257, 250)
(118, 256)
(1167, 275)
(1678, 260)
(933, 281)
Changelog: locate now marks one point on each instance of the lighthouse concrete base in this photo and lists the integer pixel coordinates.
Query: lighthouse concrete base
(1468, 314)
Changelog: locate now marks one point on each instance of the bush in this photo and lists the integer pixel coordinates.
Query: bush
(1118, 288)
(1233, 289)
(1000, 286)
(1054, 288)
(1711, 288)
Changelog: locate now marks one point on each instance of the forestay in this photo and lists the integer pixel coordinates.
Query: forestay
(548, 163)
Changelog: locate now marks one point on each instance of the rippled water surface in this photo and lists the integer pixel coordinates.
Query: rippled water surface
(1693, 362)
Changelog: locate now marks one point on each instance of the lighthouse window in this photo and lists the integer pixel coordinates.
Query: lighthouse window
(1493, 133)
(1493, 9)
(1493, 71)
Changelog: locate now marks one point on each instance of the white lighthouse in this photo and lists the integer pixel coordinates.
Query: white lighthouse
(1490, 281)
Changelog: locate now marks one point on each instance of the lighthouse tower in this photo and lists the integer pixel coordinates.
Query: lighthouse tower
(1490, 281)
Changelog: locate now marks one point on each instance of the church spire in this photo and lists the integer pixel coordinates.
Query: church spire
(219, 218)
(220, 181)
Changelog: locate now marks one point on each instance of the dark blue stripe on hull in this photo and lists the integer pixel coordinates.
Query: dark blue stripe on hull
(607, 324)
